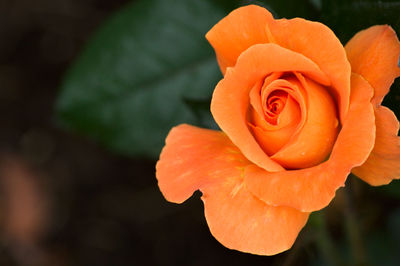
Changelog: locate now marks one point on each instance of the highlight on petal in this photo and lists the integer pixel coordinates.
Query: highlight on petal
(383, 164)
(313, 188)
(231, 99)
(374, 54)
(318, 43)
(240, 221)
(239, 30)
(195, 158)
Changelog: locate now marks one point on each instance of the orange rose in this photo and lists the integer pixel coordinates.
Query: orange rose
(298, 113)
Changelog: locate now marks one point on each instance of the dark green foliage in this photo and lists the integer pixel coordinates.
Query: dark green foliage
(141, 73)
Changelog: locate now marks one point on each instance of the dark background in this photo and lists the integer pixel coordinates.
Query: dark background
(65, 200)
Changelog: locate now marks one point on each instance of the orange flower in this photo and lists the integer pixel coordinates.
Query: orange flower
(298, 112)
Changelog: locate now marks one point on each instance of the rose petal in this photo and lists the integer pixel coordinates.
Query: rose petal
(255, 95)
(315, 140)
(252, 24)
(291, 99)
(195, 158)
(317, 42)
(374, 54)
(240, 221)
(273, 137)
(192, 159)
(272, 141)
(242, 28)
(383, 164)
(313, 188)
(230, 100)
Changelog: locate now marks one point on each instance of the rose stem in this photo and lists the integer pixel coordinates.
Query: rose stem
(324, 241)
(352, 227)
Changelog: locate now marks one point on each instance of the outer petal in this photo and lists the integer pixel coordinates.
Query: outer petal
(192, 159)
(313, 188)
(252, 24)
(230, 100)
(240, 221)
(383, 164)
(196, 158)
(317, 42)
(374, 54)
(242, 28)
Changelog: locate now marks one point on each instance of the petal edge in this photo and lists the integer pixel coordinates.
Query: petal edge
(242, 222)
(312, 189)
(374, 54)
(383, 164)
(192, 159)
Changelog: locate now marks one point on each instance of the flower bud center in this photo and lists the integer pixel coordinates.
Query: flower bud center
(274, 104)
(293, 119)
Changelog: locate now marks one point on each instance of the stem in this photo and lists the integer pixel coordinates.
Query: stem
(325, 243)
(352, 227)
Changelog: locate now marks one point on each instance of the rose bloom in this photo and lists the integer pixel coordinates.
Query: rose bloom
(298, 113)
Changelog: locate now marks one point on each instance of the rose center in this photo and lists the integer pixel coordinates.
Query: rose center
(274, 104)
(294, 120)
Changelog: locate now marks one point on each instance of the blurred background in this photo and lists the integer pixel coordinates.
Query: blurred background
(89, 90)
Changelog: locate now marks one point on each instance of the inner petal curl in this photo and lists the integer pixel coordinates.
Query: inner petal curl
(277, 112)
(297, 123)
(273, 104)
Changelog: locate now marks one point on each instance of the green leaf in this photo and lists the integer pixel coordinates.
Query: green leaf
(137, 74)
